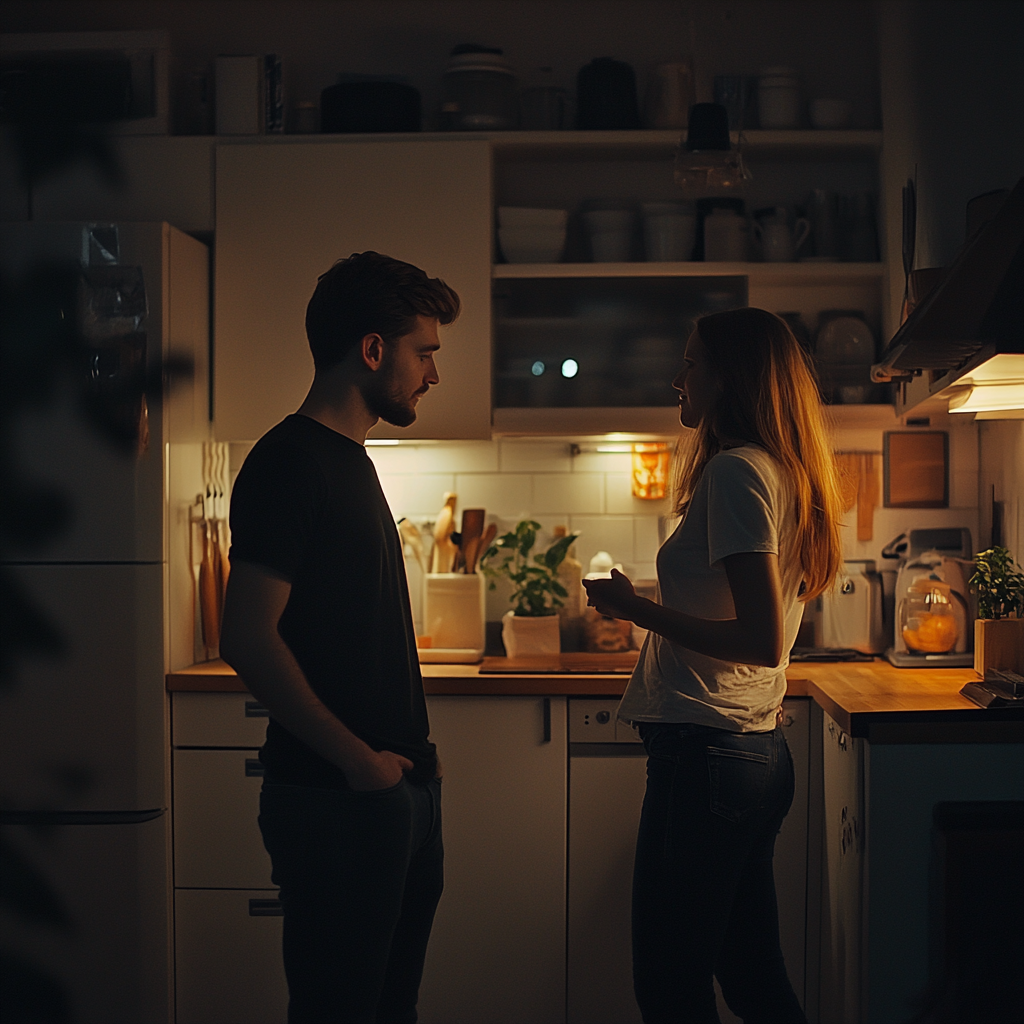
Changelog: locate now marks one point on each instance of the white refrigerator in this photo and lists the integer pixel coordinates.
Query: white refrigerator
(84, 752)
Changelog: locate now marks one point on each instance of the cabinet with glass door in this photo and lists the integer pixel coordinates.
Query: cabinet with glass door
(588, 345)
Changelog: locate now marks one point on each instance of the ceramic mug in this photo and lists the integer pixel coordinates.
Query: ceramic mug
(779, 244)
(725, 237)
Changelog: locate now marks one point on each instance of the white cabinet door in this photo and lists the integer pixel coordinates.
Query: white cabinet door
(228, 964)
(286, 213)
(217, 842)
(606, 794)
(497, 951)
(842, 900)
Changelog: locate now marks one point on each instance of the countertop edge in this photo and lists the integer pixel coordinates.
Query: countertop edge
(867, 700)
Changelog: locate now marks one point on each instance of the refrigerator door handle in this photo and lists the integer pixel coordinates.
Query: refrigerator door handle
(79, 817)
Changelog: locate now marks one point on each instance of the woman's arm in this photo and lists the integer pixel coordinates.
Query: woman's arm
(754, 637)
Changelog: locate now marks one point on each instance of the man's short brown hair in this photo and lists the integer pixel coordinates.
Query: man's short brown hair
(371, 294)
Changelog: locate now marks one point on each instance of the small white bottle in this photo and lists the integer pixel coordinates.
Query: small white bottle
(570, 575)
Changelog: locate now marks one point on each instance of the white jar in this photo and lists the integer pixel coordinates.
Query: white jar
(778, 98)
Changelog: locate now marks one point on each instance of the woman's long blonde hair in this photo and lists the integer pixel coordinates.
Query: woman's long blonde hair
(769, 396)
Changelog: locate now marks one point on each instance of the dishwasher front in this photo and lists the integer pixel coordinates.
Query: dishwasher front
(607, 777)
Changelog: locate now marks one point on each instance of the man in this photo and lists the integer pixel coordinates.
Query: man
(317, 623)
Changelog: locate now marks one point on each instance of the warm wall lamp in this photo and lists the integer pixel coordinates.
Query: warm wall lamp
(649, 478)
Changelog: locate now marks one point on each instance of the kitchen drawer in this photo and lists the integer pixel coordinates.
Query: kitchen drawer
(217, 842)
(227, 957)
(217, 720)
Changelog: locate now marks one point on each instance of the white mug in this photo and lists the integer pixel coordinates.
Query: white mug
(778, 243)
(725, 237)
(669, 96)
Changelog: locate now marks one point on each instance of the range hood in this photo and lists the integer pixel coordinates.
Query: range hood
(967, 335)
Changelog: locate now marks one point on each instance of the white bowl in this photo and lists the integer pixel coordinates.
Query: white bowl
(532, 244)
(522, 217)
(830, 113)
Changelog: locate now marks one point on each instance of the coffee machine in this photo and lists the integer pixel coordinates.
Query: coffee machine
(932, 618)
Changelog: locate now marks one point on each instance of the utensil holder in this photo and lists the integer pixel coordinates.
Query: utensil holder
(453, 610)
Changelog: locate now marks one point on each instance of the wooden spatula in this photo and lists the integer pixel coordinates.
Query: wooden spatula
(472, 531)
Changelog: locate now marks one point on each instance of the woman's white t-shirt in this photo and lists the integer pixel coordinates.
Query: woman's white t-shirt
(742, 502)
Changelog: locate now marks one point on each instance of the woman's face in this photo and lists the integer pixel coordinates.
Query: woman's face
(696, 383)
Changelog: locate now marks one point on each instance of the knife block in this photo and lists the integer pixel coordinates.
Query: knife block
(453, 611)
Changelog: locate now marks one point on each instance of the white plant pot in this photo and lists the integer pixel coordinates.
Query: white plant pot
(529, 634)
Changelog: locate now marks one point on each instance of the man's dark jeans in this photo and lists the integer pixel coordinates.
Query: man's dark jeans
(703, 890)
(360, 876)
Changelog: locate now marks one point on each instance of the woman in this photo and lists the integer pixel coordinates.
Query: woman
(759, 535)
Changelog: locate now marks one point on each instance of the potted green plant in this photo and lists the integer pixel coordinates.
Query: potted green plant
(531, 625)
(999, 628)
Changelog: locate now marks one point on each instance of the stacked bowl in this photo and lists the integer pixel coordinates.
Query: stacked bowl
(531, 236)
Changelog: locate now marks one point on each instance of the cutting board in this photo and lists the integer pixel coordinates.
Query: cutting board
(562, 664)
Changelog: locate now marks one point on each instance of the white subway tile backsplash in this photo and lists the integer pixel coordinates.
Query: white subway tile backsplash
(619, 498)
(602, 462)
(613, 534)
(471, 457)
(568, 493)
(645, 538)
(502, 494)
(416, 494)
(535, 457)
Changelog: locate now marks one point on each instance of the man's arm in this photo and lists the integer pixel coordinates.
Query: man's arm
(754, 637)
(251, 645)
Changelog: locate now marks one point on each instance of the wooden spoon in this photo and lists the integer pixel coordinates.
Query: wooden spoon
(443, 555)
(481, 549)
(472, 530)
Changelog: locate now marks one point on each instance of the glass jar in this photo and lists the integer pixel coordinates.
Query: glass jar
(478, 91)
(778, 98)
(927, 622)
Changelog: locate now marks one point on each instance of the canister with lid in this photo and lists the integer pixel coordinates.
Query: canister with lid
(478, 91)
(778, 98)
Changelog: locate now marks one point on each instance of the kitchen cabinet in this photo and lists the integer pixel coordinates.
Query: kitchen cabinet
(565, 169)
(497, 949)
(162, 178)
(842, 875)
(879, 890)
(227, 934)
(287, 212)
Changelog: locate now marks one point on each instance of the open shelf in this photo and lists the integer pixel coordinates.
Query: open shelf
(641, 143)
(763, 273)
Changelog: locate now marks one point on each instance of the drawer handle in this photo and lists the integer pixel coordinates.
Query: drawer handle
(253, 768)
(265, 908)
(254, 709)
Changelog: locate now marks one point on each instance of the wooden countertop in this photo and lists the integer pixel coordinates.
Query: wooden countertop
(873, 699)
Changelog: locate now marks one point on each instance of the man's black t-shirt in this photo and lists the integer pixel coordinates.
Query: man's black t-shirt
(308, 507)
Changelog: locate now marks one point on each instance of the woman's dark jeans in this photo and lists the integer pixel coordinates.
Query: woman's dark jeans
(360, 877)
(703, 890)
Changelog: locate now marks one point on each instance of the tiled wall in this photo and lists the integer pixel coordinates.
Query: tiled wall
(542, 480)
(589, 492)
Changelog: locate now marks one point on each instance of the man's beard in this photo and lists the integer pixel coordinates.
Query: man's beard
(385, 400)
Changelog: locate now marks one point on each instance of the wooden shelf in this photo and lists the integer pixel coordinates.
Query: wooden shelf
(761, 273)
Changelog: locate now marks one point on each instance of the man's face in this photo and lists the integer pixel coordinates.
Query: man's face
(405, 375)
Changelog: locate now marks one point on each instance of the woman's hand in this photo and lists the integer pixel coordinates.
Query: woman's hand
(615, 597)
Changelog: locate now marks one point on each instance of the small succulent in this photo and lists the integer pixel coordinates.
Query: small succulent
(998, 584)
(535, 587)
